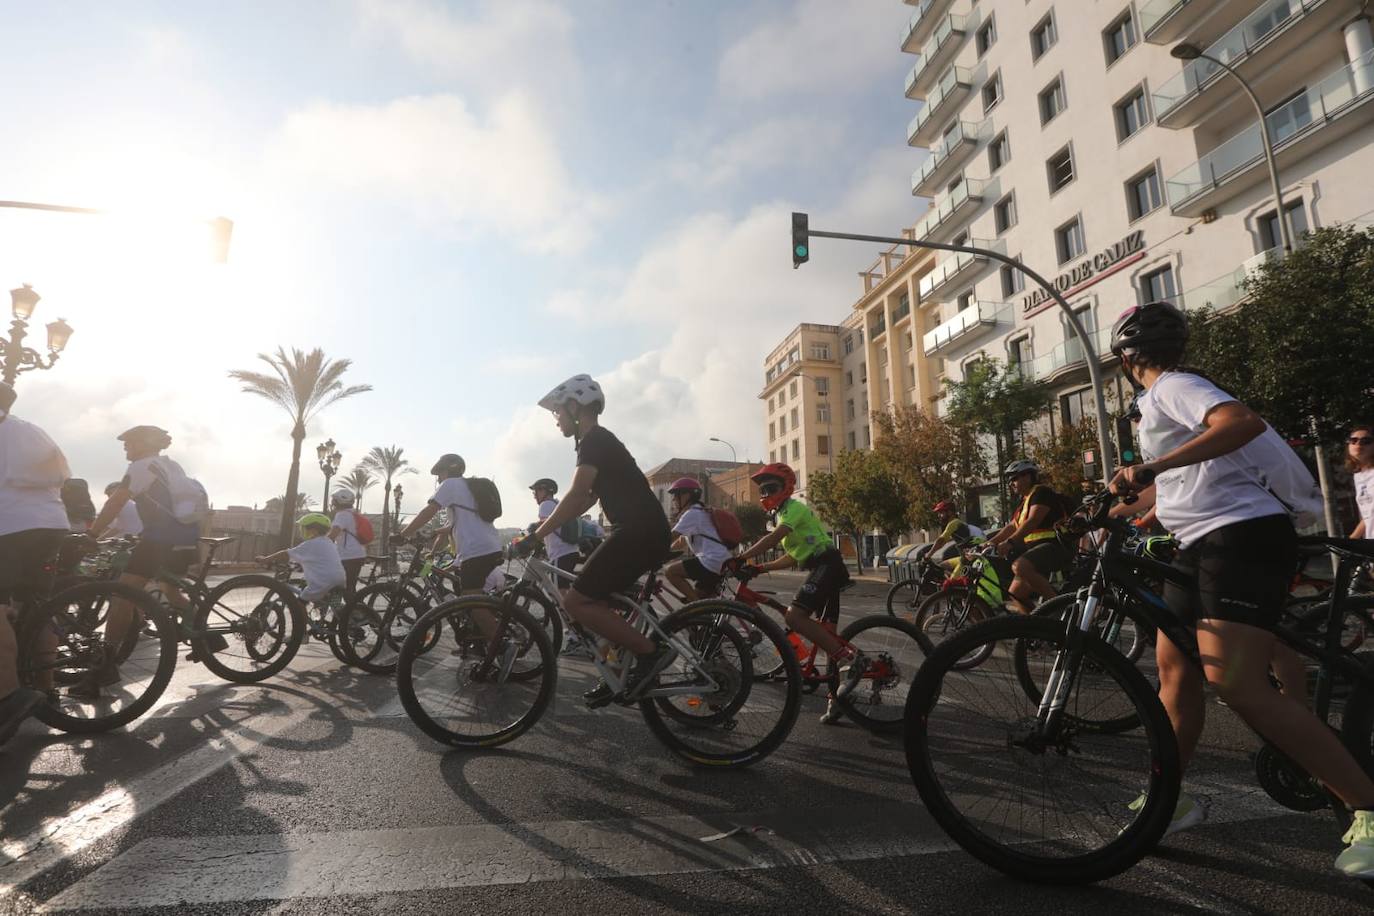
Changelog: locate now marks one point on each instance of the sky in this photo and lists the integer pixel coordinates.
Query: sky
(471, 201)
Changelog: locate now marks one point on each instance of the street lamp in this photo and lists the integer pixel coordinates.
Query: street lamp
(734, 459)
(19, 358)
(1193, 52)
(829, 434)
(329, 464)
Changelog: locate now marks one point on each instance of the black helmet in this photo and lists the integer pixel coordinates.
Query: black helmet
(544, 483)
(1151, 323)
(450, 464)
(152, 436)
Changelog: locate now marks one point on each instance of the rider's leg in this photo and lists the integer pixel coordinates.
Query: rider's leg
(1180, 690)
(801, 621)
(1021, 594)
(601, 619)
(1030, 576)
(677, 578)
(121, 614)
(1288, 667)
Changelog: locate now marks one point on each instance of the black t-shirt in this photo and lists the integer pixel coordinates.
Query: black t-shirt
(620, 484)
(1042, 495)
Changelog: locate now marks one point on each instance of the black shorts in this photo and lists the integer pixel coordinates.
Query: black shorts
(28, 562)
(151, 558)
(1048, 557)
(820, 593)
(1243, 573)
(626, 554)
(351, 570)
(472, 573)
(707, 582)
(568, 562)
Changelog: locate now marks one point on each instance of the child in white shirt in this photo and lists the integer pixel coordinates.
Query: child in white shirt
(317, 557)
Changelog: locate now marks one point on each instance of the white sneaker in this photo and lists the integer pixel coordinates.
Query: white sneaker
(1187, 813)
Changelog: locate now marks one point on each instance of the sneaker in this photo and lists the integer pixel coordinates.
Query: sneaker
(647, 667)
(215, 642)
(1357, 861)
(1187, 813)
(17, 707)
(833, 714)
(851, 672)
(599, 696)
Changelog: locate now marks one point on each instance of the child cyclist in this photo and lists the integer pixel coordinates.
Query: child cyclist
(317, 557)
(1208, 455)
(698, 575)
(805, 544)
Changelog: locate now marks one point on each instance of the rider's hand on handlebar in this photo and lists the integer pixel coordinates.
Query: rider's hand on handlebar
(1132, 479)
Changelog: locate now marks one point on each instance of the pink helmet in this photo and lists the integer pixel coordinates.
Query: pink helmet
(686, 485)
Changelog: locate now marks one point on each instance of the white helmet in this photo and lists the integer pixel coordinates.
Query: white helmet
(581, 389)
(343, 497)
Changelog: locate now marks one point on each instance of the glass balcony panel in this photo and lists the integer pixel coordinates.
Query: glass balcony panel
(935, 54)
(951, 85)
(922, 24)
(977, 316)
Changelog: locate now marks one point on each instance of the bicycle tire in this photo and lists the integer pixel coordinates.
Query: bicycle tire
(939, 618)
(527, 597)
(1130, 642)
(392, 624)
(905, 594)
(278, 616)
(158, 630)
(719, 737)
(443, 619)
(886, 685)
(1154, 748)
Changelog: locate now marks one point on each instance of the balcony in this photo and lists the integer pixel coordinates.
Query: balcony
(1164, 22)
(946, 156)
(922, 23)
(1228, 290)
(1326, 112)
(1273, 32)
(938, 52)
(978, 317)
(948, 212)
(951, 89)
(1067, 355)
(960, 265)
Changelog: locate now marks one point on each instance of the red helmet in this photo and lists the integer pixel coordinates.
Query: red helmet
(943, 505)
(686, 485)
(779, 472)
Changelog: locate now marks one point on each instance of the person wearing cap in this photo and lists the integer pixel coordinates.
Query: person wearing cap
(561, 553)
(317, 557)
(33, 523)
(343, 531)
(475, 540)
(698, 575)
(1030, 540)
(955, 534)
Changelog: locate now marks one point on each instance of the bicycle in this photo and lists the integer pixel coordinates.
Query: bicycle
(905, 595)
(499, 676)
(1044, 733)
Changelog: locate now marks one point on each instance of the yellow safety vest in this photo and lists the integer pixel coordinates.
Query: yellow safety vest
(1040, 534)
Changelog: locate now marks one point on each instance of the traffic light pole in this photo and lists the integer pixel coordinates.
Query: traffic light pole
(1089, 348)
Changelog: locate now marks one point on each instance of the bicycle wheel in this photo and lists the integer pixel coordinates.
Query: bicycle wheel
(897, 650)
(904, 599)
(58, 644)
(262, 621)
(1117, 625)
(946, 613)
(1047, 804)
(378, 620)
(532, 601)
(458, 672)
(706, 705)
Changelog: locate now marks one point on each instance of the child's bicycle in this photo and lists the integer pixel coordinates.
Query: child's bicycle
(326, 620)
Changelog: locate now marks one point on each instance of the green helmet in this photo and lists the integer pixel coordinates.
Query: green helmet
(313, 519)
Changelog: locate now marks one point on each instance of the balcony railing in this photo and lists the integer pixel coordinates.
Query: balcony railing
(947, 153)
(956, 265)
(978, 316)
(950, 88)
(1066, 354)
(966, 195)
(922, 23)
(1153, 12)
(1252, 32)
(936, 53)
(1324, 102)
(1229, 289)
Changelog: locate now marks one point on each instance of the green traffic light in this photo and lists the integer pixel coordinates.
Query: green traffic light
(1128, 456)
(801, 251)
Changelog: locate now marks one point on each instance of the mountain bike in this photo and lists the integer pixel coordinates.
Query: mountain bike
(905, 596)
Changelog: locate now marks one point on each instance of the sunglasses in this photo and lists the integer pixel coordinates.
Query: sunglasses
(769, 489)
(1361, 440)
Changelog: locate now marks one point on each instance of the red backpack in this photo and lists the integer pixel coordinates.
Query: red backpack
(364, 526)
(727, 526)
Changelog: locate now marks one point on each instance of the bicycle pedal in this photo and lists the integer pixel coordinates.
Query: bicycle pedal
(599, 702)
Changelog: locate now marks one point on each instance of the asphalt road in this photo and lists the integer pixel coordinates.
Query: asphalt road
(315, 794)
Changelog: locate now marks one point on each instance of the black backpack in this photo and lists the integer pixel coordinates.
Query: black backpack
(487, 498)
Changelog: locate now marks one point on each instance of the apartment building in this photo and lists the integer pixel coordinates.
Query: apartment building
(1065, 134)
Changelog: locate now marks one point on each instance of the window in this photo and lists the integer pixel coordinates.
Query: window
(848, 344)
(820, 351)
(1013, 282)
(1004, 213)
(903, 307)
(822, 386)
(879, 326)
(909, 340)
(795, 422)
(1077, 405)
(852, 444)
(849, 409)
(1142, 193)
(1052, 100)
(796, 449)
(868, 437)
(863, 372)
(772, 456)
(822, 445)
(1270, 236)
(1059, 169)
(1068, 240)
(848, 377)
(860, 332)
(1119, 37)
(882, 356)
(770, 405)
(986, 36)
(1074, 348)
(1289, 116)
(792, 389)
(992, 92)
(999, 152)
(964, 300)
(782, 424)
(1131, 114)
(823, 413)
(1158, 286)
(772, 432)
(1019, 352)
(1043, 36)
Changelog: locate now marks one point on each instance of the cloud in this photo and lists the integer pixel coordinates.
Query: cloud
(758, 147)
(431, 154)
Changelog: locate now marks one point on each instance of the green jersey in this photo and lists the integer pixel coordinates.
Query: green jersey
(806, 536)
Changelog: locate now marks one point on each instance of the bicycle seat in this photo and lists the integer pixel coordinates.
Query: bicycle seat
(217, 541)
(1361, 546)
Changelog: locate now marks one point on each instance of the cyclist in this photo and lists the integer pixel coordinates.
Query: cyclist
(33, 523)
(317, 557)
(166, 548)
(561, 553)
(343, 531)
(476, 544)
(805, 544)
(1206, 452)
(606, 471)
(1359, 460)
(956, 533)
(1030, 541)
(126, 523)
(699, 574)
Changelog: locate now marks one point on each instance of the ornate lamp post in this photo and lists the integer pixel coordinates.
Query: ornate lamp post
(329, 464)
(19, 358)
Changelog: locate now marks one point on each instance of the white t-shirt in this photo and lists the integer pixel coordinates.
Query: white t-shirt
(696, 525)
(472, 535)
(350, 548)
(32, 469)
(156, 483)
(555, 545)
(496, 580)
(320, 563)
(1193, 500)
(1364, 499)
(126, 523)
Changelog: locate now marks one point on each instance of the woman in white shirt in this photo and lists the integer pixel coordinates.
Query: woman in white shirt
(344, 533)
(1202, 448)
(1359, 460)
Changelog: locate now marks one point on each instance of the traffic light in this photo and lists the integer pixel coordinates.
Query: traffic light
(801, 240)
(1125, 441)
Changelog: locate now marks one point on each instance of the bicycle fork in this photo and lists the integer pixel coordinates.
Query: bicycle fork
(1067, 662)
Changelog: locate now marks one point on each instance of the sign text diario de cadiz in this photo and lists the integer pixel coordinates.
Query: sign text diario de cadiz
(1090, 270)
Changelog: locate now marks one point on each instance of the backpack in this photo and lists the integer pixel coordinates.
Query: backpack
(570, 532)
(364, 526)
(190, 502)
(1285, 476)
(487, 498)
(728, 527)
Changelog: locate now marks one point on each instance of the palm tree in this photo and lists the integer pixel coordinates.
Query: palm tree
(276, 502)
(359, 480)
(302, 384)
(386, 462)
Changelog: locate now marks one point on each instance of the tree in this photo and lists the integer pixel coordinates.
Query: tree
(932, 458)
(302, 384)
(862, 493)
(753, 520)
(386, 462)
(997, 402)
(1060, 455)
(359, 480)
